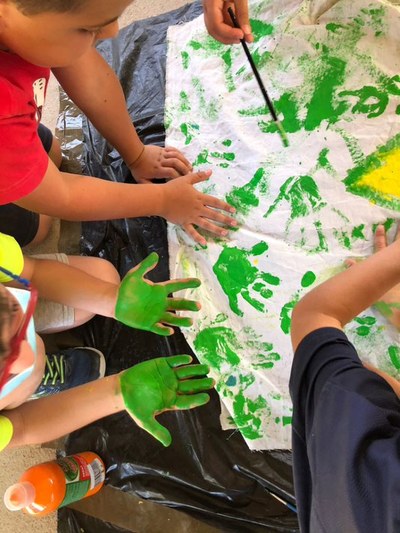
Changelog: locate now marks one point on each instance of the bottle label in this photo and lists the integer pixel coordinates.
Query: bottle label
(80, 477)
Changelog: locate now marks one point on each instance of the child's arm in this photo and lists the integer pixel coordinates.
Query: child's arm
(136, 302)
(93, 86)
(145, 390)
(340, 299)
(75, 197)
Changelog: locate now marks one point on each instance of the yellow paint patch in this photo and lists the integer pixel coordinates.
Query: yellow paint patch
(386, 179)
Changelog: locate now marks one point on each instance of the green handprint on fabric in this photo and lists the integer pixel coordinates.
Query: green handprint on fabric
(237, 276)
(160, 385)
(145, 305)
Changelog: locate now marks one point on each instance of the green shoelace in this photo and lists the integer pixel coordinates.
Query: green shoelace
(54, 371)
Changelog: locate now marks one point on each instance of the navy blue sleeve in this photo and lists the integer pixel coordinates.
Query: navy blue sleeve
(346, 439)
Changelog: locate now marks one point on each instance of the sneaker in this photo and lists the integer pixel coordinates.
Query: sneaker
(70, 368)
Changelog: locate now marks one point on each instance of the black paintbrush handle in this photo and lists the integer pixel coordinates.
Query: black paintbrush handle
(254, 68)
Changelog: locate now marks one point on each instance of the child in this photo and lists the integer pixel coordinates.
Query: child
(346, 416)
(146, 389)
(60, 34)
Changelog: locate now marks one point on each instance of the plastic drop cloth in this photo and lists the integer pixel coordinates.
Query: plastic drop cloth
(206, 472)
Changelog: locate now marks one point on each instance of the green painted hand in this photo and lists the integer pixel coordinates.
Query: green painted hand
(158, 385)
(143, 304)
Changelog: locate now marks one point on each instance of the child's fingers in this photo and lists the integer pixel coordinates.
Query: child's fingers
(216, 203)
(380, 238)
(216, 216)
(146, 265)
(350, 262)
(175, 285)
(171, 152)
(180, 304)
(176, 164)
(194, 234)
(198, 177)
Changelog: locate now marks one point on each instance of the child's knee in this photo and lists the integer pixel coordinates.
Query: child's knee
(105, 270)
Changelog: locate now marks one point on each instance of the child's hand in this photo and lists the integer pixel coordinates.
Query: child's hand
(157, 162)
(143, 304)
(158, 385)
(389, 303)
(187, 206)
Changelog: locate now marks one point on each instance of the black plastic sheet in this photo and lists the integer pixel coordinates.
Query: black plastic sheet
(206, 472)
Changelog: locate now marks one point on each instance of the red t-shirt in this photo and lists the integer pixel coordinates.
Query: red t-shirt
(23, 160)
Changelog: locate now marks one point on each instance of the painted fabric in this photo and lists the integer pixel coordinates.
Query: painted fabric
(333, 73)
(23, 160)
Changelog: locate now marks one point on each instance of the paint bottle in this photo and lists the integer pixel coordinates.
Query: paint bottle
(45, 487)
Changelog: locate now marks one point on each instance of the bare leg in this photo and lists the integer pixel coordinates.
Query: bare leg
(97, 267)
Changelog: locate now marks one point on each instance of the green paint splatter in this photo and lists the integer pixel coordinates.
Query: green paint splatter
(227, 142)
(184, 102)
(366, 325)
(189, 131)
(209, 108)
(302, 194)
(372, 102)
(237, 276)
(261, 29)
(321, 106)
(308, 279)
(202, 159)
(218, 346)
(394, 354)
(245, 198)
(286, 313)
(185, 59)
(248, 415)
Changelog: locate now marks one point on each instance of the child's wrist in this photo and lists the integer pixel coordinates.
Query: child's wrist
(138, 157)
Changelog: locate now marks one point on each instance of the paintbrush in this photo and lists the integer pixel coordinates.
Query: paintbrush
(260, 82)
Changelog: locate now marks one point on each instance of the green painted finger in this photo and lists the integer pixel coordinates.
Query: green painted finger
(158, 431)
(160, 329)
(190, 402)
(180, 304)
(178, 360)
(179, 284)
(190, 386)
(174, 320)
(147, 264)
(192, 370)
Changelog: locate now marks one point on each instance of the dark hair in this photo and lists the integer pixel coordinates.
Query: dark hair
(34, 7)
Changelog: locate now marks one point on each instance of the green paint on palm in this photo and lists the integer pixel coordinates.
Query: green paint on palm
(245, 198)
(238, 276)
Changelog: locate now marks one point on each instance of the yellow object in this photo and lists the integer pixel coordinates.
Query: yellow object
(385, 179)
(6, 432)
(11, 257)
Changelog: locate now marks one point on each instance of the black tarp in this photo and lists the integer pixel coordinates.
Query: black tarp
(207, 472)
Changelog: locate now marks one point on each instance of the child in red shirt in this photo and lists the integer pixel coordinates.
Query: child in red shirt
(37, 36)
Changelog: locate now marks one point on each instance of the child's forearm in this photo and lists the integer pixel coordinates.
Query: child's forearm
(71, 286)
(94, 87)
(52, 417)
(75, 197)
(338, 300)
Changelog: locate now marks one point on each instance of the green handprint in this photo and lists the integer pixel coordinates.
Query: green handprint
(158, 385)
(145, 305)
(237, 275)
